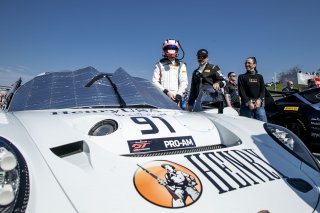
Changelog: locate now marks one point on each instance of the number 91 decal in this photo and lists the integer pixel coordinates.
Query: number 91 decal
(154, 129)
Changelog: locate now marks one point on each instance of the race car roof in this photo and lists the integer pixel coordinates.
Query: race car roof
(82, 88)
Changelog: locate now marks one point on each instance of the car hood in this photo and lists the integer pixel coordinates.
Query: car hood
(127, 170)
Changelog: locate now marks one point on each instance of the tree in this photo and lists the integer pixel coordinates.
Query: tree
(290, 74)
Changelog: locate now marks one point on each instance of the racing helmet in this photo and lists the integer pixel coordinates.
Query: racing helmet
(170, 48)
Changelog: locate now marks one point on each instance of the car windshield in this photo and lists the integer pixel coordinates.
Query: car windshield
(72, 89)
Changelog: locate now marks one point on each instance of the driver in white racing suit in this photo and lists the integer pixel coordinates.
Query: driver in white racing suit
(170, 74)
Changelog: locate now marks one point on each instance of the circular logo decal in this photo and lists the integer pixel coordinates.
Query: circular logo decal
(167, 184)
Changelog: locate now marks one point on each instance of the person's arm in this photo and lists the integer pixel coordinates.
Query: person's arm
(262, 93)
(242, 92)
(156, 79)
(262, 89)
(227, 96)
(221, 82)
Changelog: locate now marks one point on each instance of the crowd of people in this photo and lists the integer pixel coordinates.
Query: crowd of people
(209, 88)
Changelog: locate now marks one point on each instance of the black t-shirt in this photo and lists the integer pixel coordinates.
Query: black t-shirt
(232, 90)
(251, 87)
(210, 75)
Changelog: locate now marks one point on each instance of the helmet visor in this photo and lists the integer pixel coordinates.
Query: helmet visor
(170, 47)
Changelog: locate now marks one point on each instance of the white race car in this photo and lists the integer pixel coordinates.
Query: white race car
(85, 141)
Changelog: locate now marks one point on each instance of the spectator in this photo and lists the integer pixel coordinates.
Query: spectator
(170, 74)
(317, 79)
(289, 87)
(252, 92)
(312, 83)
(231, 93)
(207, 81)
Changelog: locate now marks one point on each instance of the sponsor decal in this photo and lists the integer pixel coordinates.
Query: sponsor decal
(234, 169)
(206, 71)
(167, 184)
(139, 146)
(315, 128)
(253, 80)
(291, 108)
(315, 135)
(315, 121)
(115, 112)
(156, 144)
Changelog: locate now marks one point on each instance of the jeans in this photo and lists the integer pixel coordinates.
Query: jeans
(259, 113)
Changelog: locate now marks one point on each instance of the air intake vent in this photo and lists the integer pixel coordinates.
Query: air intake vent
(68, 149)
(77, 153)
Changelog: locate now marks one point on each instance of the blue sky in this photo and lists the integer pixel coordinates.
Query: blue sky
(54, 35)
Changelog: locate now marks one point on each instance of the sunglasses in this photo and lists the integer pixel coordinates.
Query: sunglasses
(233, 75)
(201, 57)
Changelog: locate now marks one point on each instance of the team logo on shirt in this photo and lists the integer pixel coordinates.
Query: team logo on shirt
(167, 184)
(253, 80)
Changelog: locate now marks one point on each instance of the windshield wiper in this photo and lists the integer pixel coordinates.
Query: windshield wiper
(114, 87)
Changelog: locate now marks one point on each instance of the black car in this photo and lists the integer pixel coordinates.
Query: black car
(299, 112)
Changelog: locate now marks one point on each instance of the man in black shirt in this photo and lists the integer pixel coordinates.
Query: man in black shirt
(252, 92)
(231, 93)
(206, 84)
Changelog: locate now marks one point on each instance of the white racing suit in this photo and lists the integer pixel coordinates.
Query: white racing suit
(171, 76)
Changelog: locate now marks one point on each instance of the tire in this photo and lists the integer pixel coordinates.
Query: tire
(298, 127)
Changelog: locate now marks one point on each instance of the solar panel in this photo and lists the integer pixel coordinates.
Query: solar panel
(58, 90)
(139, 91)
